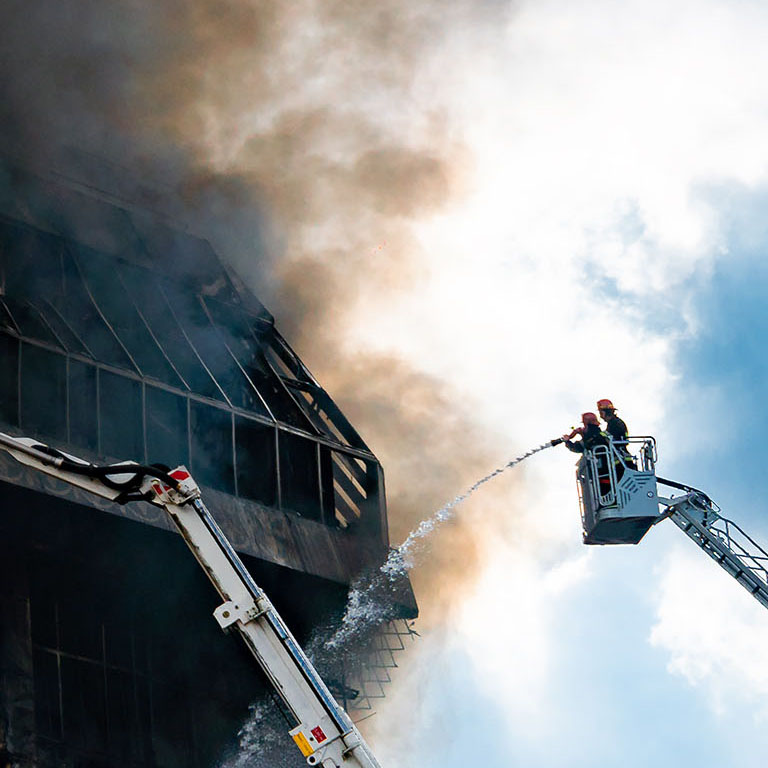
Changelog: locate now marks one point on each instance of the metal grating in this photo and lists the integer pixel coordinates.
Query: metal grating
(366, 678)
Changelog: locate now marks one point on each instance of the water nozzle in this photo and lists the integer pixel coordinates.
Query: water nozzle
(556, 441)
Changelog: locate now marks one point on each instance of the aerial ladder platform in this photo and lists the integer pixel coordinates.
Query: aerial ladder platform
(620, 502)
(323, 731)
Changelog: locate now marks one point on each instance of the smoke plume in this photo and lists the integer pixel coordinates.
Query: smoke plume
(302, 139)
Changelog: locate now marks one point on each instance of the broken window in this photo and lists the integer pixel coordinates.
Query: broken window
(237, 330)
(213, 351)
(357, 491)
(212, 448)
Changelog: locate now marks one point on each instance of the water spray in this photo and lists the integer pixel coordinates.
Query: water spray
(367, 605)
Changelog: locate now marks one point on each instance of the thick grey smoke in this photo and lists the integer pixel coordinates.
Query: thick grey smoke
(295, 139)
(298, 139)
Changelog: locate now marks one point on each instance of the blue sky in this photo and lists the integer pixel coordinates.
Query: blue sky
(527, 205)
(603, 237)
(611, 243)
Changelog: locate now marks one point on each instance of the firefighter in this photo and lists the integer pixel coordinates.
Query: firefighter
(617, 429)
(614, 426)
(591, 436)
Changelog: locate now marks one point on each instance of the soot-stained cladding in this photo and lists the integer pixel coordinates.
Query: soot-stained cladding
(124, 337)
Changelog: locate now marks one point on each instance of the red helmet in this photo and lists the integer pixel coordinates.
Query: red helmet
(589, 418)
(605, 405)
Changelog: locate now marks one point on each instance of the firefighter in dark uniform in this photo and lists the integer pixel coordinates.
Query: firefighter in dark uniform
(614, 426)
(618, 431)
(591, 436)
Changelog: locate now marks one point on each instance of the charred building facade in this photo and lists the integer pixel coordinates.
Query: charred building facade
(123, 337)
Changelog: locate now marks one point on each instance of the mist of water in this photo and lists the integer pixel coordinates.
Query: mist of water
(263, 741)
(368, 606)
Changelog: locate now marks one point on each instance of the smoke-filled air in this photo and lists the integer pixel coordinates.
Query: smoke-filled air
(472, 219)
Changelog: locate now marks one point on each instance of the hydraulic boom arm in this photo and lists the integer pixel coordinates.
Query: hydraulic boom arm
(324, 733)
(619, 503)
(724, 541)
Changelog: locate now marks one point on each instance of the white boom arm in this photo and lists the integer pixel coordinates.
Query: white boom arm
(324, 733)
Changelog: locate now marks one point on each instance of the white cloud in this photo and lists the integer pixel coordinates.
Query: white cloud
(714, 632)
(593, 126)
(506, 627)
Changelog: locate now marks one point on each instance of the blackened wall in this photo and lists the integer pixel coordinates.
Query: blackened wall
(109, 654)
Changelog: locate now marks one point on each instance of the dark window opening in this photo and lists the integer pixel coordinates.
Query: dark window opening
(121, 413)
(79, 627)
(299, 478)
(124, 732)
(256, 464)
(83, 420)
(171, 729)
(43, 392)
(212, 459)
(9, 380)
(167, 432)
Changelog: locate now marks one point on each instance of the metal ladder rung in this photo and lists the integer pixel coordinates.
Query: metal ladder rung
(719, 546)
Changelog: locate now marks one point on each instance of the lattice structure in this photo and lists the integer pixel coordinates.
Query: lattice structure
(726, 543)
(365, 681)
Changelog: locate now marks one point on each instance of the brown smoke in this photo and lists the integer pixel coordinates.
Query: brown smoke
(294, 135)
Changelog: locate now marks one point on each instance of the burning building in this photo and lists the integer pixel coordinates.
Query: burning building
(124, 337)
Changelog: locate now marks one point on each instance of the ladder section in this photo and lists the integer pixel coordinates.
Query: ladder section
(370, 670)
(728, 545)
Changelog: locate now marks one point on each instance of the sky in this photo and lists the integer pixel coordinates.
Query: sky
(608, 242)
(473, 219)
